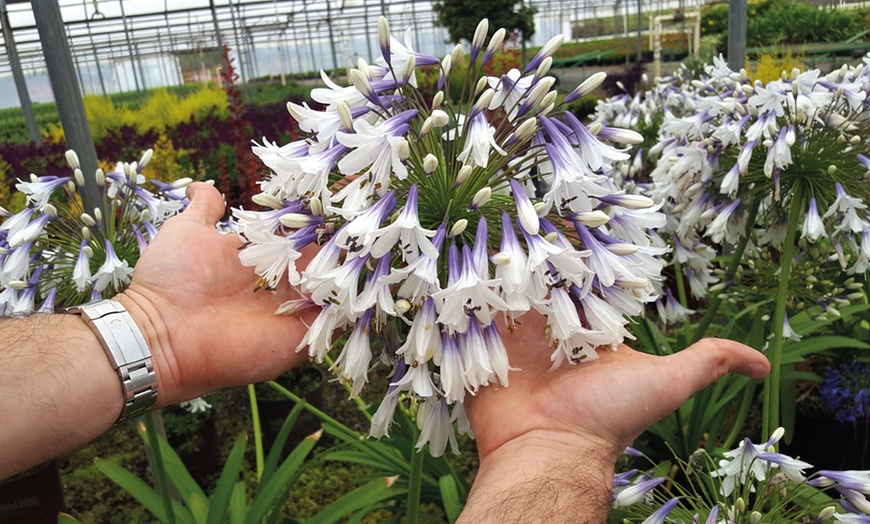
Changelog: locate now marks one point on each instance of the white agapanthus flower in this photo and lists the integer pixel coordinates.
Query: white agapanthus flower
(433, 229)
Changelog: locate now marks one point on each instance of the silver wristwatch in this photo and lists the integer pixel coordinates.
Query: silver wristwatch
(127, 350)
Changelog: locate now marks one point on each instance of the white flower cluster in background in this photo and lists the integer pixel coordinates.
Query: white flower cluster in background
(736, 145)
(436, 217)
(55, 253)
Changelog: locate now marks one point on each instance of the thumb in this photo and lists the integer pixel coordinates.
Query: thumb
(709, 359)
(206, 204)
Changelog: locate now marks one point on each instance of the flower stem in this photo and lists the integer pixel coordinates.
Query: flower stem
(159, 466)
(415, 481)
(770, 417)
(258, 433)
(733, 264)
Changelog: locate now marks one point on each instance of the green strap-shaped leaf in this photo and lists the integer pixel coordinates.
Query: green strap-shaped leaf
(238, 504)
(271, 464)
(363, 496)
(139, 490)
(267, 493)
(224, 488)
(450, 497)
(198, 508)
(176, 470)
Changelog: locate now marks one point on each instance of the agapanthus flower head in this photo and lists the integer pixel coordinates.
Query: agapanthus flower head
(844, 390)
(71, 254)
(440, 217)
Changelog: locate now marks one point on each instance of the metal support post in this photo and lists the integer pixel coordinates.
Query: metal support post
(62, 75)
(639, 57)
(18, 75)
(736, 34)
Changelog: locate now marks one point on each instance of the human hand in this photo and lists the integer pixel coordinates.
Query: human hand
(196, 305)
(579, 418)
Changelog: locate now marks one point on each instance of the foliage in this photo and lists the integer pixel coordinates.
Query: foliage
(750, 484)
(770, 66)
(460, 17)
(781, 22)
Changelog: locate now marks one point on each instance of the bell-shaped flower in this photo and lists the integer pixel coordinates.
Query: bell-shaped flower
(436, 427)
(82, 269)
(407, 232)
(469, 296)
(114, 270)
(376, 148)
(355, 358)
(479, 142)
(812, 226)
(39, 190)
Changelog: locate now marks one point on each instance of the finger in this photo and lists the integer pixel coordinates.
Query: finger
(206, 204)
(710, 359)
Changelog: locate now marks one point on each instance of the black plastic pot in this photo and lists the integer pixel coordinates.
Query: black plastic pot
(199, 450)
(828, 444)
(34, 496)
(274, 411)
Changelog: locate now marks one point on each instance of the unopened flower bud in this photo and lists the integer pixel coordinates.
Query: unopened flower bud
(98, 214)
(480, 198)
(410, 65)
(344, 115)
(18, 284)
(143, 216)
(456, 54)
(70, 187)
(832, 169)
(446, 64)
(72, 159)
(541, 208)
(544, 68)
(855, 140)
(267, 200)
(458, 228)
(88, 251)
(526, 129)
(549, 98)
(481, 83)
(402, 306)
(552, 46)
(765, 317)
(551, 237)
(430, 163)
(404, 150)
(480, 35)
(80, 177)
(639, 283)
(547, 110)
(589, 85)
(50, 210)
(500, 259)
(384, 38)
(740, 505)
(316, 206)
(439, 118)
(437, 100)
(100, 177)
(146, 157)
(427, 126)
(591, 219)
(595, 128)
(463, 174)
(86, 232)
(88, 220)
(496, 41)
(621, 249)
(361, 83)
(827, 513)
(296, 220)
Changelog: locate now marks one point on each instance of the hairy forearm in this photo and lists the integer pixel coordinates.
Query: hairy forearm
(541, 483)
(58, 390)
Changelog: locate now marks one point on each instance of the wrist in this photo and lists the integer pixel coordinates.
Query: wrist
(547, 474)
(154, 330)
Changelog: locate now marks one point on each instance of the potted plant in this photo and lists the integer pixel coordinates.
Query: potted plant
(306, 382)
(190, 429)
(832, 418)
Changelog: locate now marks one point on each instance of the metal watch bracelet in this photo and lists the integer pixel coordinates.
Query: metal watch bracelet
(128, 352)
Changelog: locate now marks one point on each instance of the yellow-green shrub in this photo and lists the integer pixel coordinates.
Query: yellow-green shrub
(160, 111)
(771, 66)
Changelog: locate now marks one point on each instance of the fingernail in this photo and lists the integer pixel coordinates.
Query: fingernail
(753, 370)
